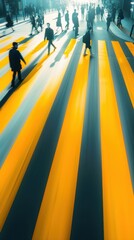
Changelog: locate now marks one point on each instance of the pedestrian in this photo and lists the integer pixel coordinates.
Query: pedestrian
(49, 34)
(9, 21)
(113, 13)
(67, 19)
(15, 58)
(76, 25)
(39, 21)
(74, 14)
(34, 25)
(86, 40)
(102, 13)
(108, 21)
(58, 23)
(98, 12)
(119, 18)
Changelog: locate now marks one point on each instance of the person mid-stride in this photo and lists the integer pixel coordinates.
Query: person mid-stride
(86, 40)
(49, 34)
(15, 58)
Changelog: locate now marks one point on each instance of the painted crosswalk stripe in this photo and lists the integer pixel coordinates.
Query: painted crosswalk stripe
(55, 216)
(7, 47)
(9, 109)
(16, 163)
(6, 79)
(126, 69)
(5, 60)
(130, 47)
(118, 196)
(5, 39)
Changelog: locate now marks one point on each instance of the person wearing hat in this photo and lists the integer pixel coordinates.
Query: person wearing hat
(15, 58)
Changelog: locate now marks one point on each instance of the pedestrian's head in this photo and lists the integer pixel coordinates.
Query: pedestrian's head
(48, 25)
(15, 45)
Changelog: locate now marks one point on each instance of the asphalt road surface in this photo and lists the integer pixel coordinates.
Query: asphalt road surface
(67, 138)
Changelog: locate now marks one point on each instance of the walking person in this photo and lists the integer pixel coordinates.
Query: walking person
(49, 34)
(76, 25)
(108, 21)
(98, 12)
(102, 12)
(39, 21)
(113, 13)
(58, 23)
(34, 25)
(9, 22)
(67, 19)
(15, 58)
(86, 40)
(74, 14)
(119, 18)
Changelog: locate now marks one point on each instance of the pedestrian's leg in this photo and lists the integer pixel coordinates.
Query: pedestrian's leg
(19, 76)
(13, 79)
(32, 30)
(53, 45)
(76, 31)
(49, 43)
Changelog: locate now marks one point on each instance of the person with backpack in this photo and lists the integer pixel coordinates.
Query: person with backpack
(86, 40)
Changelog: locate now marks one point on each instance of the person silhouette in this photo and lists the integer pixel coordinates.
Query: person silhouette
(15, 58)
(49, 34)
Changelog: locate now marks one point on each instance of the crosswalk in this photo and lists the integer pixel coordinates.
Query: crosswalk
(54, 97)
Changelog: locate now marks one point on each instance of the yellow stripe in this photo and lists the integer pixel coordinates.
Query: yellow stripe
(9, 109)
(5, 60)
(131, 47)
(126, 70)
(16, 163)
(5, 39)
(6, 79)
(55, 216)
(7, 47)
(118, 197)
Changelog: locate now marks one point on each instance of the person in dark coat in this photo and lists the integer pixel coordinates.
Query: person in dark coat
(86, 40)
(58, 23)
(9, 22)
(67, 19)
(49, 34)
(76, 25)
(74, 15)
(119, 18)
(108, 21)
(113, 13)
(15, 58)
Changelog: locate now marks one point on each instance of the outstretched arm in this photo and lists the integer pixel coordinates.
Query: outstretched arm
(22, 58)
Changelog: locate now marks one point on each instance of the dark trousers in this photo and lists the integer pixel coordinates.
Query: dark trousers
(14, 76)
(50, 42)
(76, 31)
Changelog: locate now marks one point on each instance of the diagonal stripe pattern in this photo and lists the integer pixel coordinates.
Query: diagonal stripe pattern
(23, 120)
